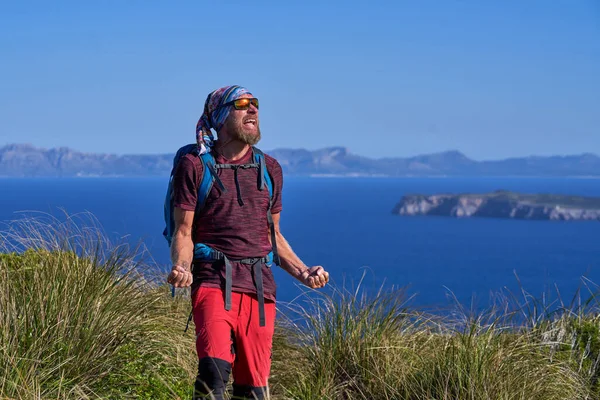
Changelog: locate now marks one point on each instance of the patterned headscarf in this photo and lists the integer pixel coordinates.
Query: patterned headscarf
(215, 118)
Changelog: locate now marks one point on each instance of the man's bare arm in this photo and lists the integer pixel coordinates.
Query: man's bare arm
(182, 249)
(313, 277)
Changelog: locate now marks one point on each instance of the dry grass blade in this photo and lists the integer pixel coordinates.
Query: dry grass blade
(80, 316)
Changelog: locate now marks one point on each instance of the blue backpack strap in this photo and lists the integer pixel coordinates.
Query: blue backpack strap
(209, 177)
(206, 182)
(168, 213)
(168, 203)
(264, 179)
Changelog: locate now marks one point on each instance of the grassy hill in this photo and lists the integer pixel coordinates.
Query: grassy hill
(79, 321)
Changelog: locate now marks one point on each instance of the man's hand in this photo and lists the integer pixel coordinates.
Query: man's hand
(315, 277)
(180, 277)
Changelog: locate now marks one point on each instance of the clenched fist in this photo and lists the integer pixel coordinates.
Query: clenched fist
(315, 277)
(180, 277)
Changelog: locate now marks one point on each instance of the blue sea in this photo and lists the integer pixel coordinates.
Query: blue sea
(346, 225)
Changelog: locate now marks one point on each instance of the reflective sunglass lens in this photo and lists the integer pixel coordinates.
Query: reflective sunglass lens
(242, 104)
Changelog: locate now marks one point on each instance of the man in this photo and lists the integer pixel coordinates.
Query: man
(233, 295)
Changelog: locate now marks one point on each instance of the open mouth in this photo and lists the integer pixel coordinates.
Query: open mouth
(250, 121)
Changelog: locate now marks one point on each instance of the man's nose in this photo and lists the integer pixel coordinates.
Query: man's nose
(252, 109)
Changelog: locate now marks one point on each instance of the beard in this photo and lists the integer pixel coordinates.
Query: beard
(250, 138)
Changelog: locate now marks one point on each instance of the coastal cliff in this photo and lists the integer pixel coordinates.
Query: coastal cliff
(502, 204)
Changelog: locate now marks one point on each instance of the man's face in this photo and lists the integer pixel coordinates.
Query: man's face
(243, 124)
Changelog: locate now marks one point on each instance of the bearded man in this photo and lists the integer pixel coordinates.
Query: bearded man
(225, 250)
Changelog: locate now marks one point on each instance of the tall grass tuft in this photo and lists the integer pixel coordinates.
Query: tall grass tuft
(79, 319)
(571, 333)
(352, 346)
(83, 318)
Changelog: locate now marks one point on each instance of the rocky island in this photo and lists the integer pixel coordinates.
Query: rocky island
(502, 204)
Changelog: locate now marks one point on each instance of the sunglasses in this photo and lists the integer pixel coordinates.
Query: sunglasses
(242, 104)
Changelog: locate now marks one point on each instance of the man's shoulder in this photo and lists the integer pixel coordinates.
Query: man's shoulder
(271, 161)
(190, 162)
(192, 158)
(274, 169)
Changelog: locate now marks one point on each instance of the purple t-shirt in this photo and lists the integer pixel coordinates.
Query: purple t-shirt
(233, 222)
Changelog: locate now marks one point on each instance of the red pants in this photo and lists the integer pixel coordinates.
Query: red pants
(232, 339)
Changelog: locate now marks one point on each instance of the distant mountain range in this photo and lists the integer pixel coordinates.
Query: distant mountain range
(24, 160)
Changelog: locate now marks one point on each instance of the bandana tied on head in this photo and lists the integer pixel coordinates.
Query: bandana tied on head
(213, 116)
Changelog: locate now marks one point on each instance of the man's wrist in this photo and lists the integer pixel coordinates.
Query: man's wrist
(304, 274)
(180, 266)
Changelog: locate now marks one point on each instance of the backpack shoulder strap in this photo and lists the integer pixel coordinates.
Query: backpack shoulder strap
(168, 203)
(264, 178)
(209, 177)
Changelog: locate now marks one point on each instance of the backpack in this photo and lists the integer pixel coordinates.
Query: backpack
(209, 178)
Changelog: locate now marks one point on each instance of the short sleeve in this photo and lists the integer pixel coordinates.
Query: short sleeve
(185, 184)
(277, 175)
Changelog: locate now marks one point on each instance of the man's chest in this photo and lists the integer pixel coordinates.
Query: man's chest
(241, 195)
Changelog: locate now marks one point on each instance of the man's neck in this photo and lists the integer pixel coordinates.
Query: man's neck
(233, 150)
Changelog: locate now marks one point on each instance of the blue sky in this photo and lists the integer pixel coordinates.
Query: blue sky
(492, 79)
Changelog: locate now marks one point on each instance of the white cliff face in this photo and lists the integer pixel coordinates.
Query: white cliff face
(490, 206)
(467, 206)
(419, 207)
(559, 213)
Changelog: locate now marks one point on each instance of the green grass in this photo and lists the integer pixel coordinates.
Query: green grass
(78, 320)
(356, 347)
